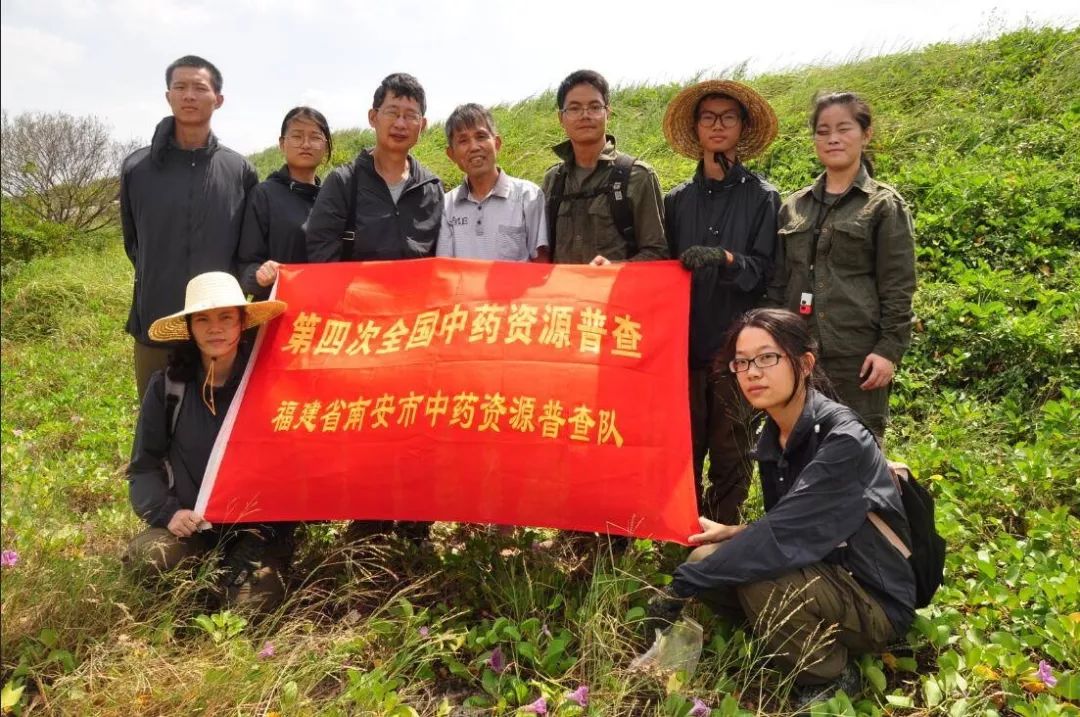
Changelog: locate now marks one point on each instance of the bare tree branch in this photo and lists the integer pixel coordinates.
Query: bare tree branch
(63, 169)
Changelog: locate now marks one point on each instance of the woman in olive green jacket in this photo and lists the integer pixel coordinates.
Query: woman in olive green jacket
(849, 261)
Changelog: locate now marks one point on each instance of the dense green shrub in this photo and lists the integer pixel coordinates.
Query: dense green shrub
(23, 236)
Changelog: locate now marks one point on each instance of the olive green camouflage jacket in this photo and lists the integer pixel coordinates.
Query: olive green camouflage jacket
(585, 227)
(863, 269)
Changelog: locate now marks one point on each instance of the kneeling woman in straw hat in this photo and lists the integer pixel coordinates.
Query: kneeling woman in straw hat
(182, 412)
(722, 226)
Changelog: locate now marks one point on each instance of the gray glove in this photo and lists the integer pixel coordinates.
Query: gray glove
(699, 257)
(662, 611)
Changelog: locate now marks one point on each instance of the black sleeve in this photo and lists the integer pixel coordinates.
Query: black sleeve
(148, 483)
(327, 220)
(824, 508)
(671, 225)
(254, 247)
(127, 218)
(750, 272)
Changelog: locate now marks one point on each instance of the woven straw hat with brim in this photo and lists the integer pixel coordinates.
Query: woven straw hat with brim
(213, 290)
(680, 124)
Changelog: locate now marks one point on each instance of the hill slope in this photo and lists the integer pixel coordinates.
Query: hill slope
(983, 141)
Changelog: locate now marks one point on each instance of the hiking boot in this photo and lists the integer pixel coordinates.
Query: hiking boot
(850, 681)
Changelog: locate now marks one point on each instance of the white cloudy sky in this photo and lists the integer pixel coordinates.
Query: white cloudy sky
(107, 57)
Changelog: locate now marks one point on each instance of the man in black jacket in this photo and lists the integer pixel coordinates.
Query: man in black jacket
(181, 205)
(722, 225)
(385, 204)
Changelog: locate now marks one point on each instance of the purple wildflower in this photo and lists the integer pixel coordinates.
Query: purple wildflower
(497, 661)
(425, 631)
(537, 708)
(1046, 674)
(700, 709)
(267, 650)
(545, 631)
(18, 433)
(580, 696)
(9, 559)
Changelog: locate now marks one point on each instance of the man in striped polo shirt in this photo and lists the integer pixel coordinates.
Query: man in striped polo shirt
(491, 215)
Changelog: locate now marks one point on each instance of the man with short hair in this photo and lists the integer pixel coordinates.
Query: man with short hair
(491, 215)
(181, 205)
(603, 205)
(722, 225)
(385, 204)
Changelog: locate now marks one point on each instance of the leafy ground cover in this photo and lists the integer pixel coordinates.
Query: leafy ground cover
(983, 141)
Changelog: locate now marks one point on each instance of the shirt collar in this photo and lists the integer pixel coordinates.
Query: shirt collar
(768, 444)
(501, 188)
(565, 150)
(863, 182)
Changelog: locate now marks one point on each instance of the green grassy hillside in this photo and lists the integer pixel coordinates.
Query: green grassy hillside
(984, 142)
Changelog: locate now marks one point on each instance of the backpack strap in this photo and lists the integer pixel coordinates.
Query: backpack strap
(174, 396)
(558, 187)
(897, 471)
(621, 211)
(348, 236)
(889, 534)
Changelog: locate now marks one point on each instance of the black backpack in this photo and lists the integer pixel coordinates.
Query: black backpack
(622, 212)
(926, 554)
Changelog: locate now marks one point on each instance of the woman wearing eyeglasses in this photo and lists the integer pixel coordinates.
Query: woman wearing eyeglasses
(722, 226)
(273, 232)
(818, 577)
(849, 261)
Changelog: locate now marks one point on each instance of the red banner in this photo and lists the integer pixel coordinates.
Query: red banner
(471, 391)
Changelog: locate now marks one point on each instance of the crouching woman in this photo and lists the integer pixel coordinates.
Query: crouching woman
(182, 412)
(815, 577)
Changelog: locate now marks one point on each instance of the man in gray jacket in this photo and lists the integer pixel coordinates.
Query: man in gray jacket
(181, 205)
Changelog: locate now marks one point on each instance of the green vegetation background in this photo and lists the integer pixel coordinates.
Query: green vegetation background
(983, 140)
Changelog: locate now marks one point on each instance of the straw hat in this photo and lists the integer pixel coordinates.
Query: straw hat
(680, 122)
(213, 290)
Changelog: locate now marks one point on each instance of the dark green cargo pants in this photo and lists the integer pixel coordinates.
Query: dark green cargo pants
(811, 619)
(872, 406)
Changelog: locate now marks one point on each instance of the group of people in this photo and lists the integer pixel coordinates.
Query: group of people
(835, 262)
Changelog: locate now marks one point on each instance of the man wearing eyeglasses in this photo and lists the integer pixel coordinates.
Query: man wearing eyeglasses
(181, 205)
(722, 226)
(385, 204)
(603, 205)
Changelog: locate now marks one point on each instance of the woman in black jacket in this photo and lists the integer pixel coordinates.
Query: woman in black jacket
(182, 412)
(818, 576)
(278, 208)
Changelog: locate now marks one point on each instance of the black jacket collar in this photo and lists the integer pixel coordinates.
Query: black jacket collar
(164, 140)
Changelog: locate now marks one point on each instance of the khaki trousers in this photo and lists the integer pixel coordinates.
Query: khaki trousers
(811, 619)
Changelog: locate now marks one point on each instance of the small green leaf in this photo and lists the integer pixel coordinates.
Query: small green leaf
(932, 692)
(876, 677)
(900, 700)
(10, 696)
